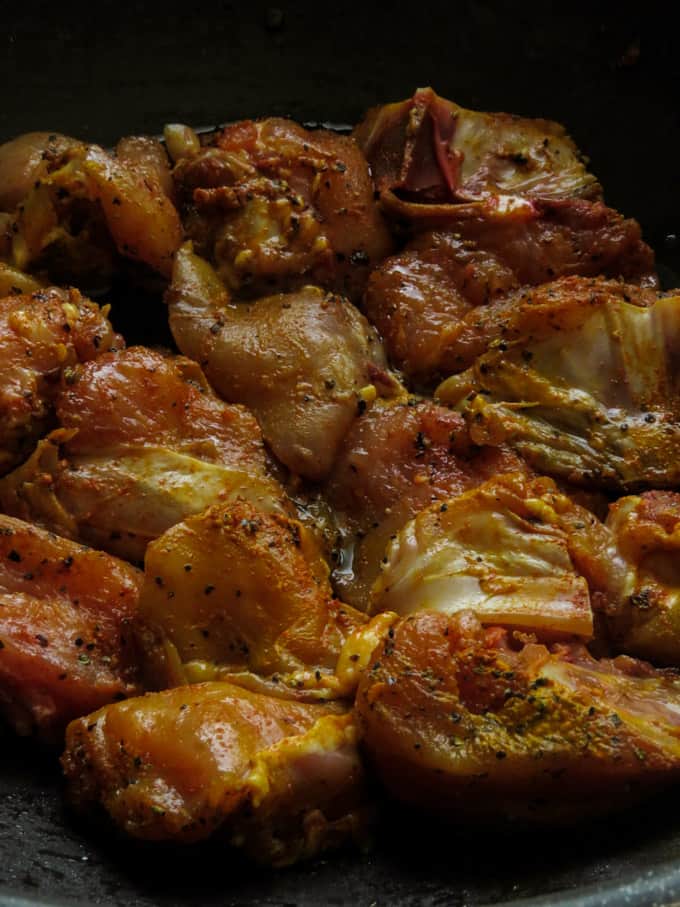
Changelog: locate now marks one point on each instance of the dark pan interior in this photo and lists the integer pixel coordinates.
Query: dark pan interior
(101, 70)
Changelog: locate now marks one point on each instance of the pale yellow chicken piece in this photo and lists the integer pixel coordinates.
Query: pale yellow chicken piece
(237, 591)
(501, 550)
(281, 779)
(76, 208)
(306, 362)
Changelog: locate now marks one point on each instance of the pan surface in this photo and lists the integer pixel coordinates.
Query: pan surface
(102, 70)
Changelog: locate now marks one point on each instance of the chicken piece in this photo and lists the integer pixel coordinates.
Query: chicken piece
(41, 336)
(514, 187)
(143, 443)
(304, 362)
(500, 550)
(78, 208)
(424, 301)
(64, 647)
(428, 149)
(482, 725)
(271, 614)
(397, 459)
(275, 206)
(643, 601)
(281, 779)
(581, 379)
(14, 282)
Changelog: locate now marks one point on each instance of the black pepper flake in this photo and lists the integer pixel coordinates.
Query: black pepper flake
(42, 640)
(14, 556)
(500, 754)
(361, 407)
(67, 562)
(208, 589)
(187, 568)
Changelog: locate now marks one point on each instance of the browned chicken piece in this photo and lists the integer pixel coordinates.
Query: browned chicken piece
(485, 725)
(281, 779)
(305, 362)
(64, 642)
(275, 206)
(502, 551)
(429, 150)
(397, 459)
(76, 208)
(236, 591)
(579, 377)
(642, 600)
(425, 301)
(42, 335)
(143, 443)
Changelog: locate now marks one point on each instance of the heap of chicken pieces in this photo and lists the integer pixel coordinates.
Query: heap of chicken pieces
(400, 514)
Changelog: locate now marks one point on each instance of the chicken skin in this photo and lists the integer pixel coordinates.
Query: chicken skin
(281, 779)
(501, 550)
(142, 443)
(426, 299)
(270, 613)
(397, 459)
(274, 207)
(65, 646)
(304, 362)
(482, 725)
(42, 336)
(77, 209)
(580, 378)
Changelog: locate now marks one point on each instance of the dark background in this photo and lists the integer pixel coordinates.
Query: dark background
(99, 70)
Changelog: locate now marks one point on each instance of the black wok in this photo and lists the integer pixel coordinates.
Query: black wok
(99, 71)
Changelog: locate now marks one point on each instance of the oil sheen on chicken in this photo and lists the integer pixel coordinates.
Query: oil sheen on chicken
(42, 336)
(65, 645)
(237, 591)
(281, 779)
(580, 378)
(482, 725)
(143, 443)
(305, 362)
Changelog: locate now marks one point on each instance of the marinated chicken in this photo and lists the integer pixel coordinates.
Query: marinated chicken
(396, 460)
(378, 505)
(304, 362)
(643, 600)
(426, 299)
(270, 615)
(487, 725)
(43, 336)
(281, 779)
(501, 550)
(65, 645)
(274, 207)
(76, 208)
(142, 443)
(580, 378)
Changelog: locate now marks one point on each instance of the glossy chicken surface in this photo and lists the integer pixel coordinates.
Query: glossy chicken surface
(423, 299)
(305, 362)
(397, 459)
(142, 443)
(281, 779)
(580, 377)
(42, 336)
(408, 511)
(65, 645)
(643, 606)
(76, 208)
(481, 725)
(237, 590)
(275, 206)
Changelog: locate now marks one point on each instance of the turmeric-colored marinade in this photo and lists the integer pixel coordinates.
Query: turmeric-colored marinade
(397, 517)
